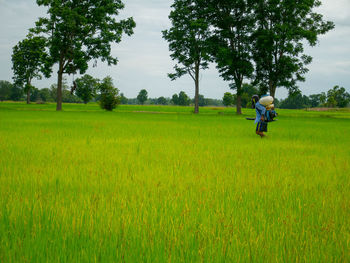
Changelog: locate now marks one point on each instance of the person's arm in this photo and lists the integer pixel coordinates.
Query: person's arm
(262, 110)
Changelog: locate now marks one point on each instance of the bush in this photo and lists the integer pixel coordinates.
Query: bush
(109, 98)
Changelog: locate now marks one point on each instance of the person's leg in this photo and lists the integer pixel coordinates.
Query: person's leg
(258, 130)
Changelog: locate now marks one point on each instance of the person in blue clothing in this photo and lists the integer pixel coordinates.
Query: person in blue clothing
(260, 117)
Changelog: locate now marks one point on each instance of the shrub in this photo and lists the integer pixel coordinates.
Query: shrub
(109, 98)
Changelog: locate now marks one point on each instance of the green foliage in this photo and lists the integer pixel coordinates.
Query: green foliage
(175, 99)
(86, 88)
(181, 99)
(315, 100)
(80, 31)
(5, 90)
(188, 41)
(227, 100)
(248, 91)
(30, 60)
(295, 101)
(201, 100)
(337, 97)
(109, 98)
(282, 29)
(162, 101)
(184, 100)
(232, 24)
(67, 96)
(123, 99)
(142, 96)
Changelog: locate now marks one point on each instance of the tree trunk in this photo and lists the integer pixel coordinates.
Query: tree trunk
(272, 88)
(28, 95)
(59, 87)
(196, 96)
(239, 97)
(28, 90)
(239, 104)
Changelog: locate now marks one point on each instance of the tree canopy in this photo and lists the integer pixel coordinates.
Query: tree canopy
(109, 98)
(142, 96)
(232, 24)
(188, 41)
(30, 60)
(86, 88)
(282, 29)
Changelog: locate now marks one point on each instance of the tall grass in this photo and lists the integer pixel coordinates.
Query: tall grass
(86, 185)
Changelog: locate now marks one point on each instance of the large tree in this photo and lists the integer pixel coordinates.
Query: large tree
(188, 41)
(282, 29)
(81, 31)
(232, 24)
(30, 60)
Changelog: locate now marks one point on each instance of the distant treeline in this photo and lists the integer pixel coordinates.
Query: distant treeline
(10, 91)
(83, 93)
(335, 97)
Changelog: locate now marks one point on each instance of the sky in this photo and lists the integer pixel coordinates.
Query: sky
(144, 59)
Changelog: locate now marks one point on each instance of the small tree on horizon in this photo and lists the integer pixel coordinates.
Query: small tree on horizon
(183, 100)
(109, 98)
(227, 100)
(142, 96)
(86, 88)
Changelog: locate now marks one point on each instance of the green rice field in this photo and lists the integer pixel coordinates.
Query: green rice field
(161, 184)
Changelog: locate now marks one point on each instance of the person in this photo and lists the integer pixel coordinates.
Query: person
(260, 117)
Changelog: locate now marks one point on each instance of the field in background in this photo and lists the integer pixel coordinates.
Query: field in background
(160, 184)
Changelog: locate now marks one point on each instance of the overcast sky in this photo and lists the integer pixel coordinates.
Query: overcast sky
(144, 57)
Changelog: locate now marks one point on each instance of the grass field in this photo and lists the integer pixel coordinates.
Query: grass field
(160, 184)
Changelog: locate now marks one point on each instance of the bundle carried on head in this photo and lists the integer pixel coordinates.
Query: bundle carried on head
(266, 100)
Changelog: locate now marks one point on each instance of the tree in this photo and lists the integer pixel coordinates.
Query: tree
(86, 87)
(109, 98)
(232, 24)
(45, 95)
(162, 101)
(16, 93)
(123, 99)
(248, 91)
(188, 41)
(5, 90)
(295, 100)
(80, 31)
(184, 100)
(282, 28)
(67, 95)
(142, 96)
(175, 99)
(337, 97)
(227, 100)
(201, 100)
(315, 100)
(34, 95)
(29, 61)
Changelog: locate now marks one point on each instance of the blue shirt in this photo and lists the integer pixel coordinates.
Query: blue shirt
(260, 110)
